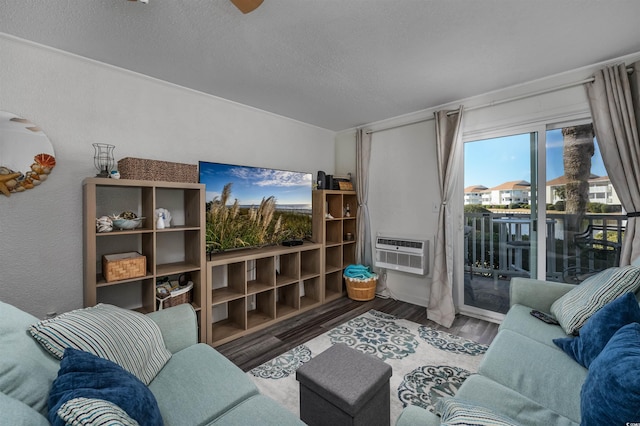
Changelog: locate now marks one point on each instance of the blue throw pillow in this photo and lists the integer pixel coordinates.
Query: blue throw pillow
(611, 393)
(84, 375)
(598, 329)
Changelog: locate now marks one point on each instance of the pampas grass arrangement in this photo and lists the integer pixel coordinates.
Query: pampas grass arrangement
(232, 227)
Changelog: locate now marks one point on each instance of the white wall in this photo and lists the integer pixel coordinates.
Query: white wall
(403, 173)
(78, 102)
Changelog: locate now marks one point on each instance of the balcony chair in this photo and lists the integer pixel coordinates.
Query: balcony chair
(592, 256)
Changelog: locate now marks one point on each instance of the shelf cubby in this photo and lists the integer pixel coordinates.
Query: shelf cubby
(289, 270)
(312, 293)
(333, 258)
(334, 232)
(348, 254)
(264, 310)
(288, 300)
(264, 272)
(334, 287)
(309, 263)
(234, 323)
(232, 286)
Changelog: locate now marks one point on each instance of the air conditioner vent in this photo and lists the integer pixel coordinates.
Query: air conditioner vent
(402, 254)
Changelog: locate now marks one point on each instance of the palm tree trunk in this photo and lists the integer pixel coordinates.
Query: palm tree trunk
(577, 152)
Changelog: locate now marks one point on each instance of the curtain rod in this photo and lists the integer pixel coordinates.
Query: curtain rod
(499, 102)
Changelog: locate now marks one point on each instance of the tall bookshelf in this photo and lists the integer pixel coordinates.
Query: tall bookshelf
(169, 252)
(336, 230)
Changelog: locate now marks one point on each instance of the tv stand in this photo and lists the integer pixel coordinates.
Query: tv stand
(250, 289)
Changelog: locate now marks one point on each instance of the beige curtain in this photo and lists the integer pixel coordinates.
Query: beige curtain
(612, 97)
(363, 154)
(449, 155)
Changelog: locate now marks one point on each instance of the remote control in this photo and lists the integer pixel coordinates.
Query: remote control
(544, 317)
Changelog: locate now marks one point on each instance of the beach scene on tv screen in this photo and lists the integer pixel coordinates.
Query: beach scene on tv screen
(254, 206)
(292, 190)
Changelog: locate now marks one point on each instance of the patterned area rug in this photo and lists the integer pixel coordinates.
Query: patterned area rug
(426, 363)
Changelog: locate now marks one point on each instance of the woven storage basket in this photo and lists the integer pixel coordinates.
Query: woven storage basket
(177, 297)
(361, 289)
(122, 266)
(143, 169)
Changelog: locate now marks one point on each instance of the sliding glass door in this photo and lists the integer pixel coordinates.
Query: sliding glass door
(500, 218)
(539, 205)
(589, 225)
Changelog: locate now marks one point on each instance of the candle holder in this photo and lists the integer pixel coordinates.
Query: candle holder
(103, 159)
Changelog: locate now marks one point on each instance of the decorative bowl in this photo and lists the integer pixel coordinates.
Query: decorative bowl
(127, 223)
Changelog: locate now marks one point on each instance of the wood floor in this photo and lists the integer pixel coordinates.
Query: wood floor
(250, 351)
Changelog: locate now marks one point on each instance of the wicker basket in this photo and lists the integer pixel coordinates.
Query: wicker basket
(122, 266)
(143, 169)
(177, 297)
(361, 290)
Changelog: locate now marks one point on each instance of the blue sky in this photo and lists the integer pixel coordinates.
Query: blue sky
(491, 162)
(251, 184)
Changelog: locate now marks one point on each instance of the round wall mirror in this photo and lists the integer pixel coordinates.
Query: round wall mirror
(26, 154)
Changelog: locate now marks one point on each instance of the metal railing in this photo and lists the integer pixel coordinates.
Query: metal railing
(497, 244)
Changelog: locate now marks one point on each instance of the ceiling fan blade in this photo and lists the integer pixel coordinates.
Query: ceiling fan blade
(247, 6)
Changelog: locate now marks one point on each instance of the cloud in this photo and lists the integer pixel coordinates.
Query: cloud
(271, 177)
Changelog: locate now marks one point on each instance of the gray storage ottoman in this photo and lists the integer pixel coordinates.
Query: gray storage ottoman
(343, 386)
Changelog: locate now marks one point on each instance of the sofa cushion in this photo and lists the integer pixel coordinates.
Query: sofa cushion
(16, 412)
(202, 383)
(84, 375)
(539, 372)
(574, 308)
(413, 415)
(598, 329)
(457, 412)
(611, 393)
(128, 338)
(525, 411)
(26, 369)
(258, 409)
(94, 412)
(520, 320)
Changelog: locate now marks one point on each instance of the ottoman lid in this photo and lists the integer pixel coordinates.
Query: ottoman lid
(345, 377)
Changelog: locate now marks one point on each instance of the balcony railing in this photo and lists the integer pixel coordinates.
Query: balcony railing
(499, 244)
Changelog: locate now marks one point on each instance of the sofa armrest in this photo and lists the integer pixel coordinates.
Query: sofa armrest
(179, 326)
(412, 415)
(536, 294)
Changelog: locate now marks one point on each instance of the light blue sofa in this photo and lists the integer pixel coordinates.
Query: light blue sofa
(523, 375)
(197, 386)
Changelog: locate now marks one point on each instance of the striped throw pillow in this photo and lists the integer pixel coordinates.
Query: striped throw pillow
(574, 308)
(455, 412)
(94, 412)
(128, 338)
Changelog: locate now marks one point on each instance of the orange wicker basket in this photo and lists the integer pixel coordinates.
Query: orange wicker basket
(360, 289)
(122, 266)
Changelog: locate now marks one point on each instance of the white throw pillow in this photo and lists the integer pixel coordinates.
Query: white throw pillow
(456, 412)
(128, 338)
(94, 412)
(574, 308)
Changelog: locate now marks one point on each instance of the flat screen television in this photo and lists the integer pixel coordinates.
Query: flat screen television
(254, 206)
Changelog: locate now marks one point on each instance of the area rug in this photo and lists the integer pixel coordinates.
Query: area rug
(426, 363)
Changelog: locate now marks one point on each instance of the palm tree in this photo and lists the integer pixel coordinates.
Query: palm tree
(578, 149)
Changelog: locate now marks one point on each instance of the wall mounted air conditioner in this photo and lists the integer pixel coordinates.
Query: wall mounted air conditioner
(402, 254)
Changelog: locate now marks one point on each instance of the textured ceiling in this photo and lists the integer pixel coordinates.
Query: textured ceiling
(335, 64)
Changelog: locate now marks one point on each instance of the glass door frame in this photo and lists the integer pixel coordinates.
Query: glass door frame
(538, 215)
